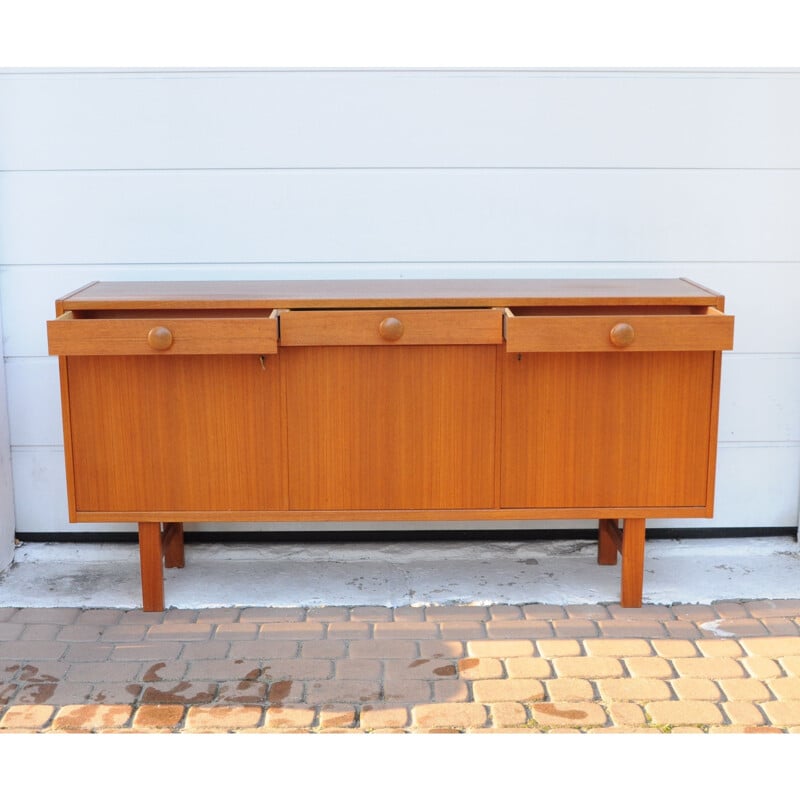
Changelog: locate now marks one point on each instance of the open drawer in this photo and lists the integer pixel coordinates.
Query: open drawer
(392, 326)
(614, 330)
(73, 335)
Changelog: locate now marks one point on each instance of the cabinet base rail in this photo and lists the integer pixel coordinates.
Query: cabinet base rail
(162, 545)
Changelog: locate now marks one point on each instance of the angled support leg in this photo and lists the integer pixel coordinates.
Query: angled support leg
(609, 542)
(173, 545)
(151, 559)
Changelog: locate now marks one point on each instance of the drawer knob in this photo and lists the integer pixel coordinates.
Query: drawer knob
(160, 338)
(391, 329)
(622, 334)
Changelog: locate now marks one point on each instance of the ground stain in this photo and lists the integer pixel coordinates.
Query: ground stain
(549, 708)
(179, 694)
(447, 671)
(152, 673)
(279, 691)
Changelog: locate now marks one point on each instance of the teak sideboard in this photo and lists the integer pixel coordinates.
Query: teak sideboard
(376, 400)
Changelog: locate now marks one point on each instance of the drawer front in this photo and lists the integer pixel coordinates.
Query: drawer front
(614, 333)
(70, 336)
(392, 327)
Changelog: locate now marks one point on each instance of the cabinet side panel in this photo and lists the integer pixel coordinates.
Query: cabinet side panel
(606, 429)
(391, 427)
(199, 433)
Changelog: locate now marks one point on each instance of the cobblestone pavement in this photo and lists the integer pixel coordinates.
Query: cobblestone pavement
(724, 667)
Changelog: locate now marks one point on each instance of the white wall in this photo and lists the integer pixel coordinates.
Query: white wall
(7, 522)
(256, 174)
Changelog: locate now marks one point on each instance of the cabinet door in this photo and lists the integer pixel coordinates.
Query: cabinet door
(381, 428)
(172, 434)
(607, 430)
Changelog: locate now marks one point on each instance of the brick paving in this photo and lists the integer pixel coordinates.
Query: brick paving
(725, 667)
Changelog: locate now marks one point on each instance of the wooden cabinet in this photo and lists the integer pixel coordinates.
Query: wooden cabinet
(390, 400)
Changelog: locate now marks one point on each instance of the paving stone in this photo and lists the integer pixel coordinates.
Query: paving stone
(406, 630)
(785, 688)
(338, 716)
(684, 712)
(569, 628)
(501, 612)
(568, 715)
(219, 616)
(89, 651)
(328, 614)
(294, 631)
(82, 717)
(104, 672)
(741, 712)
(559, 689)
(435, 648)
(696, 689)
(384, 649)
(508, 648)
(377, 717)
(408, 614)
(528, 667)
(408, 690)
(297, 669)
(343, 691)
(461, 613)
(762, 668)
(712, 667)
(675, 648)
(463, 629)
(358, 669)
(236, 630)
(773, 608)
(449, 715)
(56, 616)
(261, 615)
(748, 689)
(123, 633)
(625, 714)
(453, 691)
(587, 667)
(263, 648)
(371, 614)
(518, 629)
(477, 668)
(720, 647)
(350, 630)
(79, 633)
(515, 689)
(22, 650)
(627, 689)
(41, 632)
(158, 717)
(618, 647)
(508, 714)
(10, 631)
(772, 647)
(543, 611)
(222, 718)
(241, 692)
(791, 664)
(146, 651)
(782, 712)
(622, 628)
(324, 648)
(26, 717)
(114, 693)
(551, 648)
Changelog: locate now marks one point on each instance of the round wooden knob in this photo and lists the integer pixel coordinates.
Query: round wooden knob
(160, 338)
(391, 329)
(622, 334)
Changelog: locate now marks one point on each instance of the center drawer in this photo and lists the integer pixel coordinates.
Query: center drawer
(391, 326)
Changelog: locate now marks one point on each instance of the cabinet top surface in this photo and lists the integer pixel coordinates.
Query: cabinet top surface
(382, 293)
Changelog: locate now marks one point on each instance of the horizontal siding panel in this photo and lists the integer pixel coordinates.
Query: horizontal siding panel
(770, 473)
(380, 215)
(760, 399)
(146, 120)
(763, 297)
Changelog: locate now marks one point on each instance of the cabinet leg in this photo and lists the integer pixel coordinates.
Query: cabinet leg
(633, 535)
(151, 558)
(608, 542)
(173, 545)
